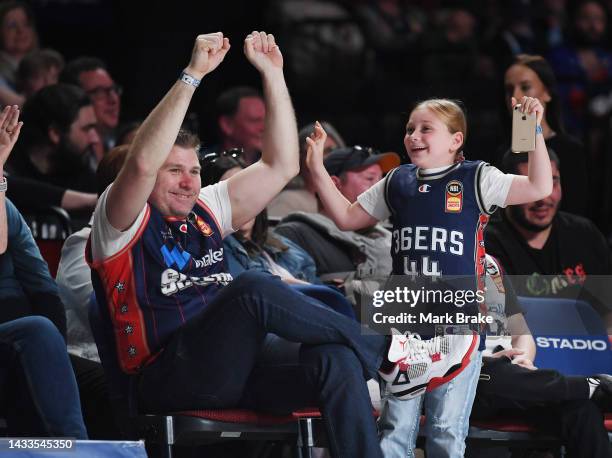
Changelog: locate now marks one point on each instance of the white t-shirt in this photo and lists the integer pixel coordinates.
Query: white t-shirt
(106, 240)
(75, 288)
(494, 186)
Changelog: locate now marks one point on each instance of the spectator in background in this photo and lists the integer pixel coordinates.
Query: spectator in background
(393, 28)
(554, 252)
(17, 38)
(254, 243)
(454, 45)
(38, 393)
(240, 117)
(256, 247)
(510, 385)
(531, 76)
(40, 68)
(550, 23)
(584, 67)
(73, 273)
(91, 75)
(346, 256)
(58, 141)
(127, 131)
(299, 194)
(516, 35)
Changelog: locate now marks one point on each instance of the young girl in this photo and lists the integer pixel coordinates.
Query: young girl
(439, 206)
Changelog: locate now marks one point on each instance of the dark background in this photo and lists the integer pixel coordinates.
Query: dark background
(147, 43)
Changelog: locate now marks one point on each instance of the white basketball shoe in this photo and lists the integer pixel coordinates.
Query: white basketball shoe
(422, 365)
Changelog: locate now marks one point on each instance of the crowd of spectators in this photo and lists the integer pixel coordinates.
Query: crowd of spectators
(360, 65)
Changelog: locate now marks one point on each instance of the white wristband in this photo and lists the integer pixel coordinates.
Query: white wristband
(188, 79)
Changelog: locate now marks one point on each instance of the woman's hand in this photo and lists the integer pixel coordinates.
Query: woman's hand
(10, 126)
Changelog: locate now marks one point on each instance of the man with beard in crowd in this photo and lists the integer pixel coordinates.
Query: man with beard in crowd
(554, 253)
(58, 139)
(91, 74)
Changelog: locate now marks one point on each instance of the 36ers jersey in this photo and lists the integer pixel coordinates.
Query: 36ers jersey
(168, 273)
(438, 220)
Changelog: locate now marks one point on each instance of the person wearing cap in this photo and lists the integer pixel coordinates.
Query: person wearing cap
(345, 256)
(299, 194)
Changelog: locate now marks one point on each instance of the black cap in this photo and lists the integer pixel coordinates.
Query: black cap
(342, 160)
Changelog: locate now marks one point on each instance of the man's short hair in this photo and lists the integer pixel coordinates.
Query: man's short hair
(511, 160)
(37, 62)
(110, 166)
(56, 106)
(74, 68)
(227, 103)
(187, 139)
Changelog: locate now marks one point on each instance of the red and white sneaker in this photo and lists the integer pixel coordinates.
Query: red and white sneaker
(422, 365)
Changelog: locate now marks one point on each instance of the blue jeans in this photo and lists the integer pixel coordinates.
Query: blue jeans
(447, 413)
(213, 361)
(36, 370)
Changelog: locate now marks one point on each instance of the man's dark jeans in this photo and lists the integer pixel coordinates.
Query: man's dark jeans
(214, 361)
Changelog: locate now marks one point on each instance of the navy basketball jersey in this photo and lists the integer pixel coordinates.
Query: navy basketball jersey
(168, 273)
(438, 220)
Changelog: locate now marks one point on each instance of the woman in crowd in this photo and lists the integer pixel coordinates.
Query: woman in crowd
(17, 38)
(532, 76)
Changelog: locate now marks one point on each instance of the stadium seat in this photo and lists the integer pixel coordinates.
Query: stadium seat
(50, 227)
(570, 336)
(49, 223)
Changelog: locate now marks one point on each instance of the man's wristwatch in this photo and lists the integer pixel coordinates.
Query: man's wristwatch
(3, 185)
(188, 79)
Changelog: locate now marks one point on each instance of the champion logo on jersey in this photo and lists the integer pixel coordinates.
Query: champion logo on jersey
(424, 188)
(453, 203)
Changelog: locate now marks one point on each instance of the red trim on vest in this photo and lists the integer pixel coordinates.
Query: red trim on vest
(116, 274)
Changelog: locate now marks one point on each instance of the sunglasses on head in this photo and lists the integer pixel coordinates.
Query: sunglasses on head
(364, 151)
(210, 158)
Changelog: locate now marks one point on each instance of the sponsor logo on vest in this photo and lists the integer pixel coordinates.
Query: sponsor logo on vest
(454, 197)
(176, 256)
(212, 257)
(424, 188)
(172, 281)
(204, 228)
(572, 344)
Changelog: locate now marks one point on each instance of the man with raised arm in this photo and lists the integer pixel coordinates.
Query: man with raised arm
(187, 334)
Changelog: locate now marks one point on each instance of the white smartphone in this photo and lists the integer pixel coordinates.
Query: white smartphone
(523, 130)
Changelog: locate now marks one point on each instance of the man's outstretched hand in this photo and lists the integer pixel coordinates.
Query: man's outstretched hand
(208, 52)
(262, 51)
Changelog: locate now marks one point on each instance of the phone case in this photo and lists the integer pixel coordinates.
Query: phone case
(523, 131)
